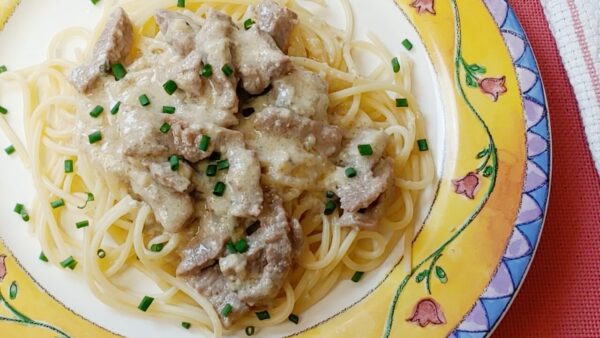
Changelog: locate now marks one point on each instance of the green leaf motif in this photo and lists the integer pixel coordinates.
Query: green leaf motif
(488, 171)
(477, 69)
(471, 81)
(441, 274)
(421, 276)
(14, 289)
(483, 153)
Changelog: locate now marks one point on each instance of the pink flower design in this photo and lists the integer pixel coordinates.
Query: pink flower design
(2, 267)
(494, 87)
(423, 6)
(427, 311)
(467, 185)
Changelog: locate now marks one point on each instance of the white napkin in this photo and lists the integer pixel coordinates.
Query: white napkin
(576, 27)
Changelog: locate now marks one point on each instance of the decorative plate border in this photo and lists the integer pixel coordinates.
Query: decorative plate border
(493, 304)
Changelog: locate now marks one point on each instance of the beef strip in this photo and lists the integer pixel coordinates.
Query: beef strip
(212, 284)
(171, 209)
(303, 92)
(277, 21)
(258, 59)
(207, 245)
(258, 274)
(187, 74)
(323, 138)
(112, 47)
(215, 43)
(178, 181)
(374, 174)
(179, 30)
(139, 132)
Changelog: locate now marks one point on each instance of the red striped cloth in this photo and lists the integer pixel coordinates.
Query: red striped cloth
(561, 295)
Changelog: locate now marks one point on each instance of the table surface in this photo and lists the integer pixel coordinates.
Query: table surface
(561, 294)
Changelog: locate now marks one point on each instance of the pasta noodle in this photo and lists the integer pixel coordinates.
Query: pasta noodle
(118, 222)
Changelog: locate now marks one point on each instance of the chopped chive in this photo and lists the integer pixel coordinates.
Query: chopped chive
(170, 87)
(293, 318)
(365, 149)
(68, 166)
(230, 247)
(253, 228)
(158, 247)
(330, 207)
(95, 2)
(247, 112)
(115, 108)
(227, 70)
(145, 303)
(250, 330)
(165, 128)
(174, 162)
(350, 172)
(10, 150)
(43, 257)
(423, 146)
(226, 311)
(70, 263)
(101, 253)
(82, 224)
(3, 69)
(207, 70)
(118, 71)
(144, 100)
(204, 143)
(407, 44)
(215, 156)
(241, 246)
(25, 216)
(223, 164)
(90, 198)
(57, 204)
(248, 24)
(168, 110)
(96, 111)
(401, 103)
(181, 3)
(357, 276)
(219, 189)
(95, 137)
(186, 325)
(19, 208)
(395, 65)
(330, 194)
(211, 170)
(263, 315)
(3, 110)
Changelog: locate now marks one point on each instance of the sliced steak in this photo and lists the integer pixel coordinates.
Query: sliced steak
(277, 21)
(313, 135)
(112, 47)
(178, 181)
(140, 134)
(303, 92)
(187, 74)
(258, 59)
(179, 30)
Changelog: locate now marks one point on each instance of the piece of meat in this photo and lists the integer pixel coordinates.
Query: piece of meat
(323, 138)
(186, 139)
(187, 74)
(374, 175)
(171, 209)
(207, 245)
(366, 219)
(243, 176)
(303, 92)
(178, 181)
(112, 47)
(215, 44)
(212, 284)
(258, 274)
(277, 21)
(258, 59)
(140, 133)
(179, 30)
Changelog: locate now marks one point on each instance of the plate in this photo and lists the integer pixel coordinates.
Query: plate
(478, 85)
